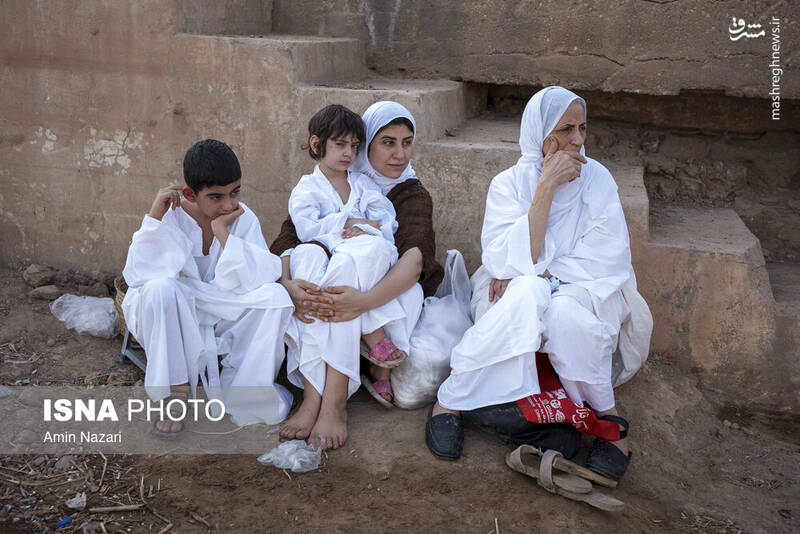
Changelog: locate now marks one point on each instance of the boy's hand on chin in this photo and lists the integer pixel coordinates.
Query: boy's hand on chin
(219, 225)
(223, 221)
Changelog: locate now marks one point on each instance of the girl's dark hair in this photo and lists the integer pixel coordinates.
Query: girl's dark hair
(209, 163)
(332, 122)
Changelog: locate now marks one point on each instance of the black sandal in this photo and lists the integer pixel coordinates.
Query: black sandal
(175, 411)
(444, 435)
(605, 458)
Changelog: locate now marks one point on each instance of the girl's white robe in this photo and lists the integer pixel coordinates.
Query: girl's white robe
(586, 247)
(319, 214)
(186, 308)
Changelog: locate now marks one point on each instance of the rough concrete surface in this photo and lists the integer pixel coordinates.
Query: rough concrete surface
(637, 46)
(98, 112)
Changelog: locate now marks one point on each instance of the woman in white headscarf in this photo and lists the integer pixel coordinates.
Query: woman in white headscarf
(556, 277)
(390, 131)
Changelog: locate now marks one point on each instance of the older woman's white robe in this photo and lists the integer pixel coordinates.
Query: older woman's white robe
(319, 214)
(186, 308)
(586, 247)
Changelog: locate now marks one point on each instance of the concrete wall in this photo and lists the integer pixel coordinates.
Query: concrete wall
(638, 46)
(100, 102)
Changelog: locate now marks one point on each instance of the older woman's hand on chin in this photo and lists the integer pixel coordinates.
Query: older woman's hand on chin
(560, 166)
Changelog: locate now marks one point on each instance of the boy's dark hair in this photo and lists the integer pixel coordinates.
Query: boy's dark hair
(332, 122)
(209, 163)
(394, 122)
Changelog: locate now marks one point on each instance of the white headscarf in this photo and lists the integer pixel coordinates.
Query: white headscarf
(586, 241)
(541, 116)
(376, 117)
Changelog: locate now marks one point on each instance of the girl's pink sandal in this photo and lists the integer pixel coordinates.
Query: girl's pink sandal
(382, 385)
(380, 353)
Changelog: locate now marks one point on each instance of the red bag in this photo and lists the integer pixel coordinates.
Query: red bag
(553, 406)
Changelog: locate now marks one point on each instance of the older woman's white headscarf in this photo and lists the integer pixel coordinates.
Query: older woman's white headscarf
(376, 117)
(586, 242)
(541, 116)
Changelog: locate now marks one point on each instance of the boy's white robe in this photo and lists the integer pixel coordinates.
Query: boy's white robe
(596, 308)
(186, 308)
(319, 214)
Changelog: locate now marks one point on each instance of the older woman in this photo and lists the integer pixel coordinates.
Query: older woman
(390, 130)
(556, 277)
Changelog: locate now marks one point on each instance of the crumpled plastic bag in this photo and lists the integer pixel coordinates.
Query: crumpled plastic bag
(87, 315)
(78, 502)
(296, 455)
(444, 319)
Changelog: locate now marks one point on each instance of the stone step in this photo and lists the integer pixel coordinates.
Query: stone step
(705, 280)
(785, 363)
(437, 105)
(458, 167)
(709, 230)
(300, 58)
(785, 281)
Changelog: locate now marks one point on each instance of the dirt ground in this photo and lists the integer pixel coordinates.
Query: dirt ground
(699, 465)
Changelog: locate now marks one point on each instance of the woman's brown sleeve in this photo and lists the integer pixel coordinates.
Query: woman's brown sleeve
(286, 239)
(414, 209)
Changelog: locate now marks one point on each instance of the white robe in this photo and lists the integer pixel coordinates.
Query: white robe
(587, 247)
(186, 308)
(319, 214)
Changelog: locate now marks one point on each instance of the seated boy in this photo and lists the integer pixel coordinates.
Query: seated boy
(202, 283)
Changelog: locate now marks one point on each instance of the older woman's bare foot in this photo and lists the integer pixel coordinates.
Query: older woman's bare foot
(299, 425)
(439, 409)
(331, 427)
(621, 444)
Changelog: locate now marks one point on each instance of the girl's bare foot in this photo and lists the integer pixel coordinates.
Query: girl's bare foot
(375, 337)
(299, 425)
(331, 428)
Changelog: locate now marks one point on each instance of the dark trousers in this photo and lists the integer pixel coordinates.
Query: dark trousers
(508, 421)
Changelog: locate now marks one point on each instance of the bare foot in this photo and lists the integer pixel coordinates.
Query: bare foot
(621, 444)
(299, 425)
(166, 426)
(375, 337)
(381, 372)
(439, 409)
(331, 428)
(169, 427)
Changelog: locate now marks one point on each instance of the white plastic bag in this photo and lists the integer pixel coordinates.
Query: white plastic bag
(444, 319)
(87, 315)
(296, 455)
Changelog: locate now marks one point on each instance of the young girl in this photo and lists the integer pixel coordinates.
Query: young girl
(347, 228)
